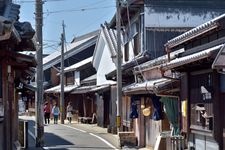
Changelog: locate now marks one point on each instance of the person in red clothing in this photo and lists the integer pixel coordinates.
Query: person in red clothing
(47, 112)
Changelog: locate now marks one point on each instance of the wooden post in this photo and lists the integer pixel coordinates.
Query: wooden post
(84, 105)
(6, 74)
(39, 130)
(119, 62)
(62, 101)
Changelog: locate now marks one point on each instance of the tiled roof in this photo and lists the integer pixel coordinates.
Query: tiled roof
(77, 65)
(69, 48)
(12, 11)
(72, 49)
(145, 87)
(57, 89)
(82, 89)
(157, 61)
(91, 88)
(190, 58)
(199, 30)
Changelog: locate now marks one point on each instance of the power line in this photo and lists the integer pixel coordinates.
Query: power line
(85, 28)
(32, 1)
(95, 3)
(80, 9)
(54, 41)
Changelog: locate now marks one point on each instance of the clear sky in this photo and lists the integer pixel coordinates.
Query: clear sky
(79, 16)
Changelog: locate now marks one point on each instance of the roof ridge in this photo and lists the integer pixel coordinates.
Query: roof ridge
(84, 36)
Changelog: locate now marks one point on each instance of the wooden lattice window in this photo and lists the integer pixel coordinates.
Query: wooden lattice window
(201, 88)
(201, 101)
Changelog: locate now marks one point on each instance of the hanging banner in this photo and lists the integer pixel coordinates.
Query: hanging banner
(118, 121)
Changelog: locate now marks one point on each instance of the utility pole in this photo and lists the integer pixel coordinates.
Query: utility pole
(39, 130)
(62, 108)
(119, 61)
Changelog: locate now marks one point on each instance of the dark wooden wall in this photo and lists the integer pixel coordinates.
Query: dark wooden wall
(155, 41)
(218, 110)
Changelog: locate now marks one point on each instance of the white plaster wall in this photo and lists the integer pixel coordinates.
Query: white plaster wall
(155, 17)
(106, 65)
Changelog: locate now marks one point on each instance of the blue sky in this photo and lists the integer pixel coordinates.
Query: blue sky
(80, 17)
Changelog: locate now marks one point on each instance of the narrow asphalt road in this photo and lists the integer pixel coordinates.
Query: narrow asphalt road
(68, 138)
(64, 137)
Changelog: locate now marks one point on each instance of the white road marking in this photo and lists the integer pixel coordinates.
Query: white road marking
(74, 128)
(103, 140)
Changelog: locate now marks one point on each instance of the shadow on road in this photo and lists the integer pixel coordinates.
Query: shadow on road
(52, 140)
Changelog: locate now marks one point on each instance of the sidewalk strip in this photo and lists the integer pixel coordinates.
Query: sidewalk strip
(106, 142)
(74, 128)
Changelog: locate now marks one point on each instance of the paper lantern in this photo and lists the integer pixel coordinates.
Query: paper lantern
(147, 111)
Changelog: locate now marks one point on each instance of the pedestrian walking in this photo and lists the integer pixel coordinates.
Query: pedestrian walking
(55, 113)
(69, 110)
(47, 113)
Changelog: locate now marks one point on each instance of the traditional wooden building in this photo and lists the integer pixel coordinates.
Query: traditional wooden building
(147, 25)
(81, 75)
(104, 62)
(152, 91)
(78, 53)
(202, 78)
(80, 48)
(74, 76)
(15, 37)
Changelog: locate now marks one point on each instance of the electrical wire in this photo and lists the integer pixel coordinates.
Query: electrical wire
(78, 10)
(54, 41)
(32, 1)
(84, 28)
(66, 54)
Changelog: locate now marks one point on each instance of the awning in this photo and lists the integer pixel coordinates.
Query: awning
(151, 86)
(82, 89)
(101, 87)
(57, 89)
(92, 88)
(190, 58)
